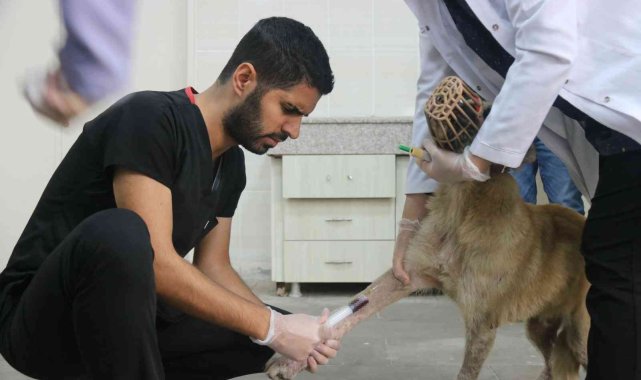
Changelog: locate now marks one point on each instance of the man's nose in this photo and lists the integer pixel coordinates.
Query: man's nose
(292, 127)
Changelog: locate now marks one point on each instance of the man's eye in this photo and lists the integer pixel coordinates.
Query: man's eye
(289, 110)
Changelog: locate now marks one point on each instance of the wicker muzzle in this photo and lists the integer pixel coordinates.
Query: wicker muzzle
(454, 114)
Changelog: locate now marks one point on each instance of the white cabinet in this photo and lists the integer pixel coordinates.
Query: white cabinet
(334, 217)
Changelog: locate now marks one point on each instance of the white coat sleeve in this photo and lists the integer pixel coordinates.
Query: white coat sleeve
(433, 70)
(546, 40)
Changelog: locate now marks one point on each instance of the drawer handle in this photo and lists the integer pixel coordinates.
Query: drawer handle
(349, 177)
(338, 262)
(338, 220)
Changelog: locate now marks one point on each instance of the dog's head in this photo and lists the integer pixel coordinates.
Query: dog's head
(454, 114)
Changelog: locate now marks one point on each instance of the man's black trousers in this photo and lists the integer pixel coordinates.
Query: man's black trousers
(612, 251)
(90, 311)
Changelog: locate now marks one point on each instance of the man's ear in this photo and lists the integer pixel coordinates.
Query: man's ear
(244, 79)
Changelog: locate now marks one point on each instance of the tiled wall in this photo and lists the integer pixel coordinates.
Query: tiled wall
(373, 50)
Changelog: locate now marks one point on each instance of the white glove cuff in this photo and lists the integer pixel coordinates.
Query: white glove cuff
(471, 170)
(270, 334)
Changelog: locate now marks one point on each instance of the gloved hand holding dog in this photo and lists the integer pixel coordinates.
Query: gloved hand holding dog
(450, 167)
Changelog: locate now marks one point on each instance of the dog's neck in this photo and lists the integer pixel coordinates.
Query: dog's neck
(493, 199)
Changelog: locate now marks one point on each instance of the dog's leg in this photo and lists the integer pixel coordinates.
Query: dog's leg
(578, 329)
(543, 334)
(479, 339)
(563, 362)
(381, 293)
(569, 350)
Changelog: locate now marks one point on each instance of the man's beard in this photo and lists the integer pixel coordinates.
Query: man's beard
(242, 123)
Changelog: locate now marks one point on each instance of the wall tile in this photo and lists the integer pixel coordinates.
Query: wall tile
(395, 76)
(208, 67)
(350, 24)
(253, 10)
(322, 107)
(353, 92)
(394, 25)
(313, 13)
(216, 24)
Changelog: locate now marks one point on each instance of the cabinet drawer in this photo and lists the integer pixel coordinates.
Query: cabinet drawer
(336, 261)
(339, 176)
(339, 219)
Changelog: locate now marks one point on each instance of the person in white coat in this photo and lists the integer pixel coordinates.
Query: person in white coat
(569, 72)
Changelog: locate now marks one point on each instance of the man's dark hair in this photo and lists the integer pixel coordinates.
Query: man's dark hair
(284, 53)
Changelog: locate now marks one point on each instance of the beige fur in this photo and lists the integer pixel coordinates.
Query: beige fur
(501, 260)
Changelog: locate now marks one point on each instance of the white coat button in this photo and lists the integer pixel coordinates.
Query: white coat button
(495, 27)
(606, 99)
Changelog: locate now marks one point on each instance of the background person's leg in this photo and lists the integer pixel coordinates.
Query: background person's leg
(612, 250)
(556, 180)
(525, 177)
(91, 306)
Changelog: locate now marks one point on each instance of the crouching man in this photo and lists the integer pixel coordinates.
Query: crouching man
(97, 284)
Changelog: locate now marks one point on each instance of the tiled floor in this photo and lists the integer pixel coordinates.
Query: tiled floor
(420, 337)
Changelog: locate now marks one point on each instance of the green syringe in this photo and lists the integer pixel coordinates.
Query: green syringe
(416, 152)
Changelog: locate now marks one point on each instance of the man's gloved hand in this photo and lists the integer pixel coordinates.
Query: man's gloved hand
(50, 95)
(406, 231)
(450, 167)
(300, 336)
(322, 353)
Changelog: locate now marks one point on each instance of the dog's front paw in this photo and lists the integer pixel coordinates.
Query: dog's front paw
(281, 368)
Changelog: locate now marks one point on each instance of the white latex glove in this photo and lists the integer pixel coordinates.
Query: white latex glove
(295, 336)
(49, 95)
(322, 353)
(406, 231)
(450, 167)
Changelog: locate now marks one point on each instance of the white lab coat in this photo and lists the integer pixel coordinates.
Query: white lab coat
(589, 52)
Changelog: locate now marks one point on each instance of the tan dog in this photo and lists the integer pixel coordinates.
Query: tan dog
(501, 260)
